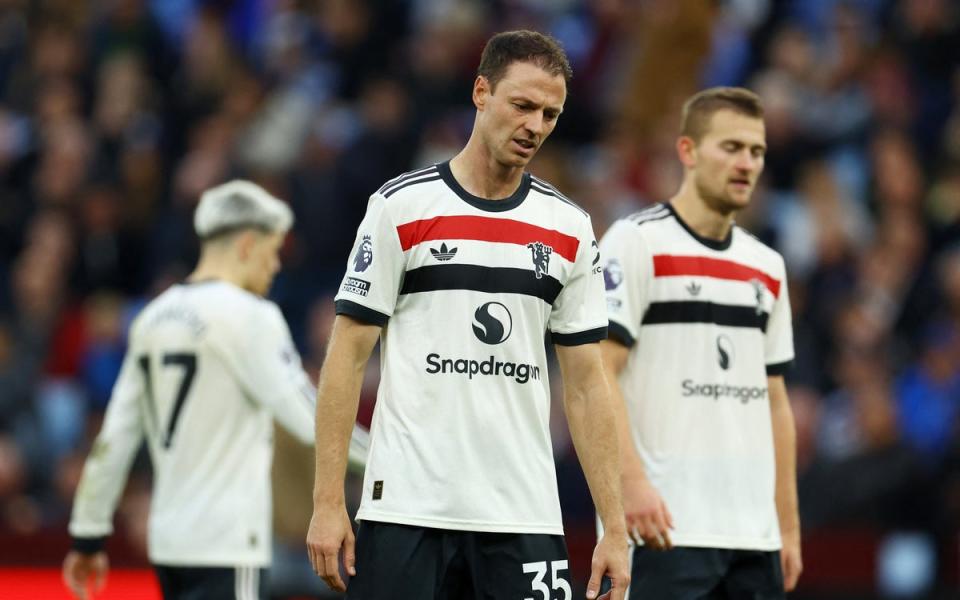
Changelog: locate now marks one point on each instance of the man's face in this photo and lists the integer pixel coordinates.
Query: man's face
(263, 261)
(517, 117)
(728, 160)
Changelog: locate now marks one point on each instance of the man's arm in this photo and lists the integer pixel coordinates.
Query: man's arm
(103, 479)
(647, 515)
(784, 442)
(337, 399)
(593, 429)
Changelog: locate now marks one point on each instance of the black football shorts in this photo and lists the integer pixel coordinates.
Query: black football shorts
(685, 573)
(212, 583)
(419, 563)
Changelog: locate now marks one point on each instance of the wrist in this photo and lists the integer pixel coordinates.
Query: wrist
(614, 525)
(329, 501)
(632, 469)
(790, 531)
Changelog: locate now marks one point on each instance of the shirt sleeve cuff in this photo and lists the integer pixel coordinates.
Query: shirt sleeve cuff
(619, 333)
(361, 313)
(779, 368)
(580, 337)
(88, 545)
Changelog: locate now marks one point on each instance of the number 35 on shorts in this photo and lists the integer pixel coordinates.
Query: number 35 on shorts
(557, 581)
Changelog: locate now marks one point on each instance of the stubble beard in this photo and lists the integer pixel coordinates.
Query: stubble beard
(720, 201)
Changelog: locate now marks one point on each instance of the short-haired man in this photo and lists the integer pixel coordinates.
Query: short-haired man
(209, 365)
(460, 269)
(700, 337)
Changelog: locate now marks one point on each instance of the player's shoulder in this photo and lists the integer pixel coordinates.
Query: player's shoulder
(765, 253)
(545, 189)
(220, 301)
(408, 184)
(643, 222)
(653, 215)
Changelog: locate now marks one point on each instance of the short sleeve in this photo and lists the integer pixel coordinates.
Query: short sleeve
(778, 338)
(374, 273)
(578, 316)
(626, 278)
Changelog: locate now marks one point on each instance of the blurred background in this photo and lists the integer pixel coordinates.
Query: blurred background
(116, 114)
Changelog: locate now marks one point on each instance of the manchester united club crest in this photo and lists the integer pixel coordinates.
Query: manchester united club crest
(758, 294)
(541, 258)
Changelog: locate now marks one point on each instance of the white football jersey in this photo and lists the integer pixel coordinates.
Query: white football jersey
(706, 322)
(466, 290)
(207, 369)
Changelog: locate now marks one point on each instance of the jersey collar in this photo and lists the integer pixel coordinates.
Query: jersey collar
(708, 242)
(513, 201)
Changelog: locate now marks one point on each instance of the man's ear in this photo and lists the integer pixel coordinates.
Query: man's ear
(481, 90)
(687, 151)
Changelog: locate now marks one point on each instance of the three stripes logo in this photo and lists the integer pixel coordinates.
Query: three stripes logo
(443, 254)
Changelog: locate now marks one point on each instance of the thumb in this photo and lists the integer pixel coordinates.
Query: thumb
(593, 586)
(350, 554)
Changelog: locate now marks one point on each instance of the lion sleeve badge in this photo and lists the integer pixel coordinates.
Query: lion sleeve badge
(364, 256)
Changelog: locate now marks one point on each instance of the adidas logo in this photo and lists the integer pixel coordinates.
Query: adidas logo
(694, 288)
(443, 254)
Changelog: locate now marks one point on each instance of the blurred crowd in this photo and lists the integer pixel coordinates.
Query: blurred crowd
(116, 114)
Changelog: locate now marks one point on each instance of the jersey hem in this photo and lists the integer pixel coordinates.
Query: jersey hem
(725, 543)
(361, 312)
(181, 560)
(435, 523)
(580, 337)
(619, 333)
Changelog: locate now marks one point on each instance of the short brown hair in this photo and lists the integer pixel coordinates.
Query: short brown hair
(698, 109)
(508, 47)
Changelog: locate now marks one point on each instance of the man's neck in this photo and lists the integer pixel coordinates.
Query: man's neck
(704, 220)
(211, 267)
(482, 176)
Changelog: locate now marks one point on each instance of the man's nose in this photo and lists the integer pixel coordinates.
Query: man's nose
(746, 161)
(535, 122)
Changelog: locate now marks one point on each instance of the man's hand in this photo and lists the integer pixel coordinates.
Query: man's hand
(79, 568)
(610, 559)
(329, 533)
(646, 514)
(790, 559)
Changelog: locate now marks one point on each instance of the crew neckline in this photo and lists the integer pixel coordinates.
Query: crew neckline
(708, 242)
(485, 204)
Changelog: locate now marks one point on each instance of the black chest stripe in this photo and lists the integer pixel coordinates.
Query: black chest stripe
(476, 278)
(659, 313)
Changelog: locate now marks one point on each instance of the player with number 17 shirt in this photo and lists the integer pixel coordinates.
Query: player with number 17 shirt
(209, 365)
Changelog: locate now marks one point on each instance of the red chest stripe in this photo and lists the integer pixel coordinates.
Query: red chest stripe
(666, 265)
(485, 229)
